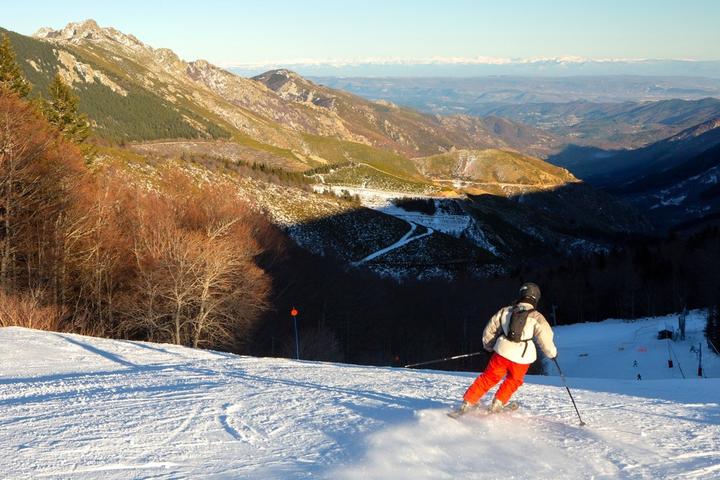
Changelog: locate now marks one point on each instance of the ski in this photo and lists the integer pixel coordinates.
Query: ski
(510, 407)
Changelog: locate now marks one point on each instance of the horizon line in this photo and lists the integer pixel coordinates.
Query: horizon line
(452, 61)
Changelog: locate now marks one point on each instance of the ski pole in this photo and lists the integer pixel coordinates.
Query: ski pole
(562, 376)
(442, 360)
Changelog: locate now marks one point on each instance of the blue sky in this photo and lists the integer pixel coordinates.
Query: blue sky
(244, 32)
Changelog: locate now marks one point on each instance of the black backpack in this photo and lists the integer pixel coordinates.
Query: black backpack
(516, 326)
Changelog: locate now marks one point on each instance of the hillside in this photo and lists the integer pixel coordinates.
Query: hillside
(278, 109)
(631, 169)
(494, 171)
(687, 195)
(513, 205)
(613, 125)
(327, 225)
(551, 224)
(618, 166)
(119, 107)
(387, 125)
(89, 408)
(132, 91)
(674, 180)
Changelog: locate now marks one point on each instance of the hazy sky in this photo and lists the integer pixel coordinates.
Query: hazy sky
(242, 32)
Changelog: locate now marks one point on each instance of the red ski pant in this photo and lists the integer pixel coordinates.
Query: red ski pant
(494, 372)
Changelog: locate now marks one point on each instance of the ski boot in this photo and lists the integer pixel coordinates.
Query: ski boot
(462, 409)
(496, 406)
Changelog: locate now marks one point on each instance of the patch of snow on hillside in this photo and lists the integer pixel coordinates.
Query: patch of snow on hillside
(674, 201)
(452, 224)
(382, 200)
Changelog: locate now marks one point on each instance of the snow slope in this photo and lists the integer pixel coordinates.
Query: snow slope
(80, 407)
(610, 349)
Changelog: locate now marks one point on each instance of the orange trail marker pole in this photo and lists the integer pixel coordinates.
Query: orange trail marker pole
(294, 314)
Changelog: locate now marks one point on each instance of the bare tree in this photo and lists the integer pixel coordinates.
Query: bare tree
(196, 280)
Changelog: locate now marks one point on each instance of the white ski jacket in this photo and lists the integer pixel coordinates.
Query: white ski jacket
(536, 328)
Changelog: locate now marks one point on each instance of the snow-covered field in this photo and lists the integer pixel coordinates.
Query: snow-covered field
(81, 407)
(622, 350)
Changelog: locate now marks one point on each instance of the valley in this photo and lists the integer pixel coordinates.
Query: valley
(281, 127)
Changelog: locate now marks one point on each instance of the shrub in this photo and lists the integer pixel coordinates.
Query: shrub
(27, 311)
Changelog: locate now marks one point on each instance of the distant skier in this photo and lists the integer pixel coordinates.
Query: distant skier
(509, 334)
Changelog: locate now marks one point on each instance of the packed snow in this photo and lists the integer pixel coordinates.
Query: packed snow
(81, 407)
(629, 349)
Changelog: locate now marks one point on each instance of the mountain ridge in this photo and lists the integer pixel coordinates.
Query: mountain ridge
(355, 120)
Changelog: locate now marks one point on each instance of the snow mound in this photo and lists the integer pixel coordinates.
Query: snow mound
(80, 407)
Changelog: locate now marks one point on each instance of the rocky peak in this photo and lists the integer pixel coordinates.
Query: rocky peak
(291, 86)
(277, 79)
(90, 31)
(168, 59)
(207, 73)
(201, 67)
(117, 42)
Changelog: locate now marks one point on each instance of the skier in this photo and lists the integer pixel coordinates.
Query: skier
(509, 335)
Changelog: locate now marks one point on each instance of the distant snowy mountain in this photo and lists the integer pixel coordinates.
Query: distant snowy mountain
(87, 408)
(482, 66)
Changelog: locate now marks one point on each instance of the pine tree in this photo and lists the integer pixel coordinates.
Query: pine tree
(11, 76)
(61, 110)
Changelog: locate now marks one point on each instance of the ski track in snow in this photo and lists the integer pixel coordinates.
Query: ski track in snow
(85, 408)
(404, 240)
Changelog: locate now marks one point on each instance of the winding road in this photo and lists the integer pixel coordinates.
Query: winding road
(404, 240)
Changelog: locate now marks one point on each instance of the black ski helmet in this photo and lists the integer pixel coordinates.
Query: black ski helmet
(530, 292)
